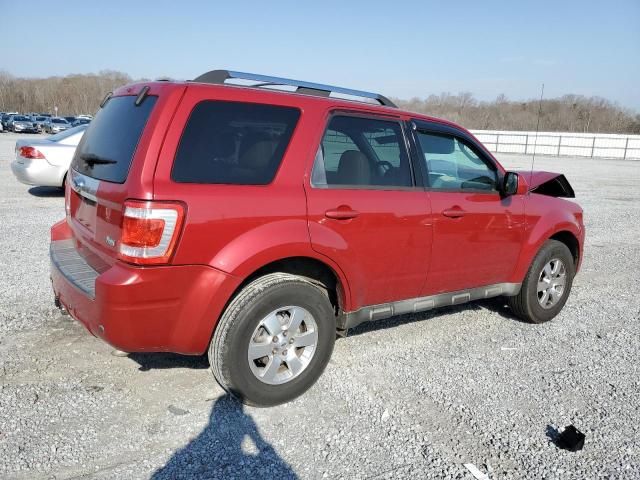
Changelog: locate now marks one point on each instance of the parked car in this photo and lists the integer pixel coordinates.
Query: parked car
(56, 125)
(21, 124)
(45, 161)
(5, 119)
(39, 121)
(70, 119)
(81, 121)
(255, 225)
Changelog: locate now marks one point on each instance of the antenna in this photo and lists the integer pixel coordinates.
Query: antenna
(535, 145)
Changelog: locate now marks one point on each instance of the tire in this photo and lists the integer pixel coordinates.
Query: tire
(531, 304)
(248, 321)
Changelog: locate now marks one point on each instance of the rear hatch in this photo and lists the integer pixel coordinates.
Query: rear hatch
(108, 168)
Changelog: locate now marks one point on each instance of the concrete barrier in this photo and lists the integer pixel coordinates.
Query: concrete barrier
(593, 145)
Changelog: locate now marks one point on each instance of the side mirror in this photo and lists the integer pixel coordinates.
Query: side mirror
(510, 184)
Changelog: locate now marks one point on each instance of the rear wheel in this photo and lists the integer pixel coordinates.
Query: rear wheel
(274, 340)
(547, 284)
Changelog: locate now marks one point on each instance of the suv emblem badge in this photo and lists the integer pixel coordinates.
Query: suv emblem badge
(110, 241)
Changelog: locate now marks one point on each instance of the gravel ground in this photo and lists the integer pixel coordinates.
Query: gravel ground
(412, 397)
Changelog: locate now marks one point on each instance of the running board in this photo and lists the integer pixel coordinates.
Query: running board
(379, 312)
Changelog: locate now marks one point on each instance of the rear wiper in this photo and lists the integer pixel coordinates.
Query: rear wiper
(91, 159)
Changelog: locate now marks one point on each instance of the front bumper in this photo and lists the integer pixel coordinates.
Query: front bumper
(137, 309)
(38, 172)
(17, 129)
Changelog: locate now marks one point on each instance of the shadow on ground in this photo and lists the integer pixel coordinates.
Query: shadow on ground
(153, 361)
(46, 192)
(230, 446)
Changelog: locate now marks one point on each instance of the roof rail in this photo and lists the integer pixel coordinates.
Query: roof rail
(221, 76)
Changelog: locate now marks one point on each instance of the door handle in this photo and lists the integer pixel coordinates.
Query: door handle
(455, 212)
(341, 213)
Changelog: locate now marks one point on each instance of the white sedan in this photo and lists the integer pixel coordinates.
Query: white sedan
(45, 162)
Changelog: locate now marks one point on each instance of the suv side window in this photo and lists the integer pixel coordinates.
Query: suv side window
(454, 165)
(363, 152)
(233, 143)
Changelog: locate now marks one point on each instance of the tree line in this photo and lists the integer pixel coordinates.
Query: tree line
(71, 94)
(569, 113)
(82, 94)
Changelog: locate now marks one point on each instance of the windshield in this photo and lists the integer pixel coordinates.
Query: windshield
(20, 118)
(58, 120)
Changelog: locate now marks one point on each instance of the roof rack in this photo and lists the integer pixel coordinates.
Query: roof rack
(221, 76)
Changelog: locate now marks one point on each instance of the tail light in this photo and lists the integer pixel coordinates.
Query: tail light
(30, 152)
(150, 231)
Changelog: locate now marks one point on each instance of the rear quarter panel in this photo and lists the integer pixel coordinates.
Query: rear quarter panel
(240, 228)
(58, 154)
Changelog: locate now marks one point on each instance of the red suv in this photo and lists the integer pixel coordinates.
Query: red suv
(257, 221)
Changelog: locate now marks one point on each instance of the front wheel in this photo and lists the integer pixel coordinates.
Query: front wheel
(547, 284)
(274, 340)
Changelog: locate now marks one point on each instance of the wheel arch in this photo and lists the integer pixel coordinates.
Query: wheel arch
(566, 232)
(572, 243)
(317, 270)
(309, 267)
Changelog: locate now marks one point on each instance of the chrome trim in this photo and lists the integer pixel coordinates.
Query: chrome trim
(378, 312)
(66, 259)
(84, 185)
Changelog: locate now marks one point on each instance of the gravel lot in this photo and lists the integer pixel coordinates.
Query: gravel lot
(412, 397)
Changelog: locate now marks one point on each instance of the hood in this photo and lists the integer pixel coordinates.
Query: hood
(548, 183)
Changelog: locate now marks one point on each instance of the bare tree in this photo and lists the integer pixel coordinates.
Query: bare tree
(569, 113)
(73, 94)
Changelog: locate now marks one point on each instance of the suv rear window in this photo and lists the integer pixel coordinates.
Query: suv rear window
(107, 147)
(233, 143)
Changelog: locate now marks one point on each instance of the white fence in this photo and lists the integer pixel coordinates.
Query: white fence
(593, 145)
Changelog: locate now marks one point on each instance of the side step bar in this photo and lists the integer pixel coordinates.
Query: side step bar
(379, 312)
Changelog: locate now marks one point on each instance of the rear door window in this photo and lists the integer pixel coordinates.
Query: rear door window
(362, 152)
(107, 147)
(233, 143)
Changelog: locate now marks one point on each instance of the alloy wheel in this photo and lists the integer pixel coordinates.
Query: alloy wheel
(551, 283)
(282, 345)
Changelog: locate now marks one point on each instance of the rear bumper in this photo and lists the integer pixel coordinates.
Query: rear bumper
(152, 309)
(38, 172)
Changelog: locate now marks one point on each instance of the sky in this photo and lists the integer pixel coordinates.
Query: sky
(401, 49)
